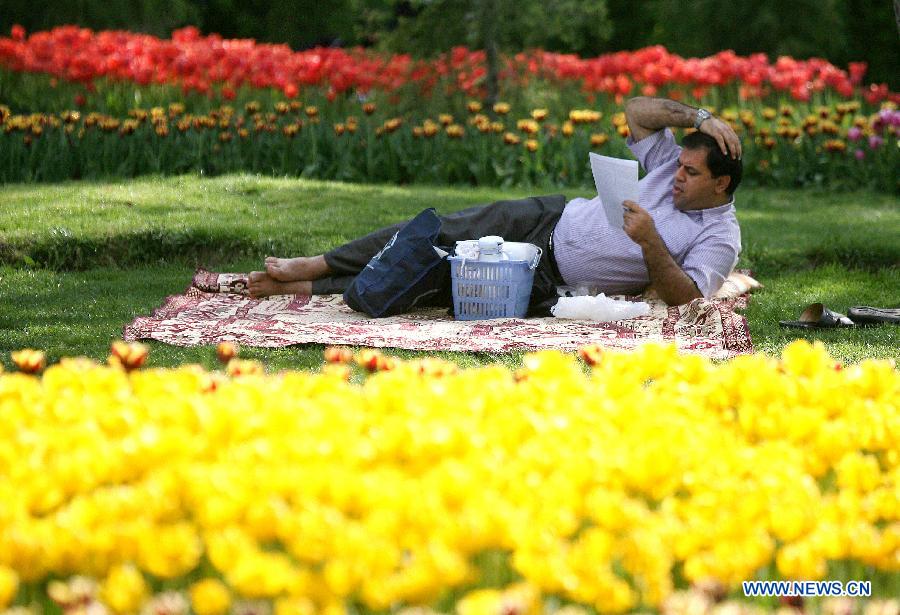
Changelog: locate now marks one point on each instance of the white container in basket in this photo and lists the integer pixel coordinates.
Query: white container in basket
(497, 286)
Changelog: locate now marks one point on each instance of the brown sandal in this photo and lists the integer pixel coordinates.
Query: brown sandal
(817, 316)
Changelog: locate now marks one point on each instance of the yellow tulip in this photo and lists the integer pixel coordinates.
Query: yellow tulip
(124, 590)
(210, 597)
(9, 586)
(293, 606)
(307, 489)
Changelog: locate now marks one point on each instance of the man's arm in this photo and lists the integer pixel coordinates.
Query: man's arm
(648, 115)
(671, 283)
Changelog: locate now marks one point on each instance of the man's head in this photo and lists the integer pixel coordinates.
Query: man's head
(705, 177)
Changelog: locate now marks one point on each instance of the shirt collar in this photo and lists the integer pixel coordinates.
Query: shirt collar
(702, 214)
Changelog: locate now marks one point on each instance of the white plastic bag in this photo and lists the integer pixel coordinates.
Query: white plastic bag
(600, 308)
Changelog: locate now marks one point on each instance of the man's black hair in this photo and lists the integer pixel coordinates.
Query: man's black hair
(718, 163)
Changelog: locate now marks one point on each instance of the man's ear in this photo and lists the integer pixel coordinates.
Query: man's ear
(722, 183)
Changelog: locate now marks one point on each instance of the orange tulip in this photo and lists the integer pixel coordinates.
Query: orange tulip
(211, 382)
(530, 127)
(128, 355)
(226, 351)
(338, 354)
(435, 368)
(455, 131)
(429, 128)
(373, 361)
(591, 354)
(368, 359)
(242, 367)
(597, 140)
(386, 364)
(835, 146)
(29, 361)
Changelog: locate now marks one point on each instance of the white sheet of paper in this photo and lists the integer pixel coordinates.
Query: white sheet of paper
(616, 180)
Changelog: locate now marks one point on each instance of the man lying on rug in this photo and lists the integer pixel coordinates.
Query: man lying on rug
(682, 239)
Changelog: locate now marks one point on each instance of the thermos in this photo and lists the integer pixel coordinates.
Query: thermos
(490, 249)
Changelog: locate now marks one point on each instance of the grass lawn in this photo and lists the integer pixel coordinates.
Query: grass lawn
(79, 260)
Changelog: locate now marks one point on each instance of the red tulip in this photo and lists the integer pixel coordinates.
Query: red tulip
(857, 70)
(208, 64)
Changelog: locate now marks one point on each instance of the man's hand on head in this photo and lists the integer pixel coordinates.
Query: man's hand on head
(639, 225)
(724, 135)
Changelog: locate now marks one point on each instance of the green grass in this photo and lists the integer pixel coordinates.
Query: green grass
(78, 261)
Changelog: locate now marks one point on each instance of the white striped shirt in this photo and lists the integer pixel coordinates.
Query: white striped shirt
(705, 243)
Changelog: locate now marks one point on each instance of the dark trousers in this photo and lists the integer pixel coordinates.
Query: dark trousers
(530, 220)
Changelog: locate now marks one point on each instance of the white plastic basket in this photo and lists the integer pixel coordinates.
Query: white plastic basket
(500, 289)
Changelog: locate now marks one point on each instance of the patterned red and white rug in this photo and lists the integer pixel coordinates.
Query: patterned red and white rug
(215, 308)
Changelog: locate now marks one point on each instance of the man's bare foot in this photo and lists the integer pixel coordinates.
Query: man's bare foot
(293, 269)
(261, 285)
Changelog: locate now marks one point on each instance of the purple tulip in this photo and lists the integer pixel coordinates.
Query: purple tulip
(859, 154)
(854, 134)
(875, 142)
(885, 117)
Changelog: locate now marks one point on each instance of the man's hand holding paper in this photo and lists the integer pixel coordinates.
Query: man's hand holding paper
(616, 180)
(639, 224)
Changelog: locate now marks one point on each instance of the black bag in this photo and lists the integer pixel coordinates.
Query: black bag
(406, 273)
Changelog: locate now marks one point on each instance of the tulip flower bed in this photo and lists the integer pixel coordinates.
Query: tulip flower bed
(480, 491)
(115, 104)
(787, 146)
(211, 65)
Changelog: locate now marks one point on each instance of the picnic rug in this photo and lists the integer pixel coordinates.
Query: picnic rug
(216, 308)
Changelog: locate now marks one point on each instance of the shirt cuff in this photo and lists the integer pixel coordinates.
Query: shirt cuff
(707, 281)
(645, 148)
